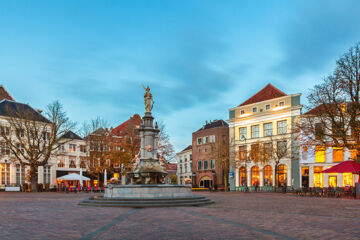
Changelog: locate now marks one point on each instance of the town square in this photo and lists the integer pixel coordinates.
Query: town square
(179, 119)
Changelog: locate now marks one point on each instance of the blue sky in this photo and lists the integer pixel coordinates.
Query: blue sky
(200, 58)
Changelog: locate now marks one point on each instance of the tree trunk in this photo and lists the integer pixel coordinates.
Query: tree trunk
(225, 181)
(33, 178)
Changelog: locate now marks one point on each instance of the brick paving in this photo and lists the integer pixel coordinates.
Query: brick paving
(233, 216)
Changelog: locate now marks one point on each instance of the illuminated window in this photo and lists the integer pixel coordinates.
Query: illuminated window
(72, 147)
(338, 154)
(282, 172)
(318, 177)
(5, 173)
(255, 131)
(242, 176)
(347, 179)
(332, 181)
(268, 130)
(268, 176)
(320, 153)
(61, 161)
(353, 154)
(255, 175)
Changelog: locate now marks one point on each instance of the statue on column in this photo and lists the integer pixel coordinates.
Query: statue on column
(149, 102)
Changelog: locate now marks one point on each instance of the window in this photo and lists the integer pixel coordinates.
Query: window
(282, 172)
(181, 168)
(72, 161)
(268, 150)
(206, 165)
(206, 140)
(20, 132)
(255, 152)
(5, 150)
(199, 165)
(318, 177)
(242, 112)
(61, 161)
(268, 176)
(185, 167)
(281, 104)
(242, 153)
(20, 174)
(281, 149)
(82, 162)
(347, 179)
(255, 131)
(5, 130)
(242, 176)
(212, 163)
(72, 147)
(199, 141)
(5, 173)
(338, 154)
(254, 109)
(212, 138)
(190, 157)
(185, 158)
(281, 127)
(61, 148)
(180, 159)
(305, 153)
(267, 106)
(319, 130)
(243, 134)
(46, 174)
(320, 153)
(83, 148)
(255, 176)
(20, 148)
(268, 131)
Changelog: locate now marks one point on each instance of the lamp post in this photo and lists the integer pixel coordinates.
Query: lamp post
(243, 139)
(194, 179)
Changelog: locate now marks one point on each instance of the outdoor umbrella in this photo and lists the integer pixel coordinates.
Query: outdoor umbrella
(345, 167)
(73, 176)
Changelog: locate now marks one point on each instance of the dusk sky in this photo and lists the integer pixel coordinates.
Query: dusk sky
(200, 58)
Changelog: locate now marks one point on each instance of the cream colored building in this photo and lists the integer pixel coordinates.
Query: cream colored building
(184, 164)
(266, 120)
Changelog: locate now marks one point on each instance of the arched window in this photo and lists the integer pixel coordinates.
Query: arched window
(282, 173)
(242, 177)
(255, 175)
(268, 176)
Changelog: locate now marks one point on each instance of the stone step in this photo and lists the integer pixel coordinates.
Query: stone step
(146, 204)
(147, 199)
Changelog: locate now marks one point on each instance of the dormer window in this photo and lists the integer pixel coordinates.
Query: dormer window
(267, 106)
(281, 104)
(242, 112)
(254, 109)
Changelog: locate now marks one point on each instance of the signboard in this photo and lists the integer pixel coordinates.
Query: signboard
(231, 174)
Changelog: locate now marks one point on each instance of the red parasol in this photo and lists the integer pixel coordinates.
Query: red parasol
(345, 167)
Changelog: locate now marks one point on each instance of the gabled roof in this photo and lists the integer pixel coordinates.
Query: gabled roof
(98, 131)
(4, 94)
(134, 120)
(71, 135)
(14, 109)
(214, 124)
(267, 93)
(187, 148)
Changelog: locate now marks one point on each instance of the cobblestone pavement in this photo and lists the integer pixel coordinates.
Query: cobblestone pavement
(233, 216)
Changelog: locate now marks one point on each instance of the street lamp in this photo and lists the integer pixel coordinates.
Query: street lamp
(243, 139)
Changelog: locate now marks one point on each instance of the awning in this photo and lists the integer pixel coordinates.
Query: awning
(344, 167)
(72, 177)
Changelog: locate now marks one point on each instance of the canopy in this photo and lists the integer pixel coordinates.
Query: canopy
(344, 167)
(73, 176)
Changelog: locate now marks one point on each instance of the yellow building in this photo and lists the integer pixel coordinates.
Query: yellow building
(262, 139)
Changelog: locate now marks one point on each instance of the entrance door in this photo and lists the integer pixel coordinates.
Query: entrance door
(207, 183)
(332, 181)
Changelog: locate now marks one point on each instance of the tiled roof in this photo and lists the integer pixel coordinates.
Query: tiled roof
(214, 124)
(14, 109)
(321, 109)
(267, 93)
(187, 148)
(135, 119)
(71, 135)
(4, 94)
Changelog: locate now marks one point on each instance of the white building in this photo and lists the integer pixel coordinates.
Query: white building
(264, 121)
(184, 168)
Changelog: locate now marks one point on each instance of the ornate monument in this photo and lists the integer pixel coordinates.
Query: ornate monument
(147, 188)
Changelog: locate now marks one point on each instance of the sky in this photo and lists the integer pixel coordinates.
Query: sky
(199, 58)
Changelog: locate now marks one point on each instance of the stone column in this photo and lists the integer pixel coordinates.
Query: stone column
(311, 176)
(340, 180)
(274, 175)
(248, 176)
(326, 180)
(261, 177)
(236, 175)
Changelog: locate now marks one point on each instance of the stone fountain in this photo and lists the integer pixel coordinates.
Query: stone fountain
(147, 188)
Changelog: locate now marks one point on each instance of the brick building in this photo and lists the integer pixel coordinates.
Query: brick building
(208, 170)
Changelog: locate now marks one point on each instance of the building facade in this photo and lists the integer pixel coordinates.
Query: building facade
(208, 168)
(184, 164)
(262, 139)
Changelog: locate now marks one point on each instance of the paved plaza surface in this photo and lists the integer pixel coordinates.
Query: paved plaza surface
(233, 216)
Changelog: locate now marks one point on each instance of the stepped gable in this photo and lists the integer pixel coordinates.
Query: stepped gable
(267, 93)
(9, 108)
(71, 135)
(4, 94)
(135, 120)
(214, 124)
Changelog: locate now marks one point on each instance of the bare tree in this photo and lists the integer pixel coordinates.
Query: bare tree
(219, 151)
(334, 107)
(31, 138)
(165, 147)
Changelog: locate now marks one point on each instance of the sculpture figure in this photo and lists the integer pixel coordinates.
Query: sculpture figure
(149, 102)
